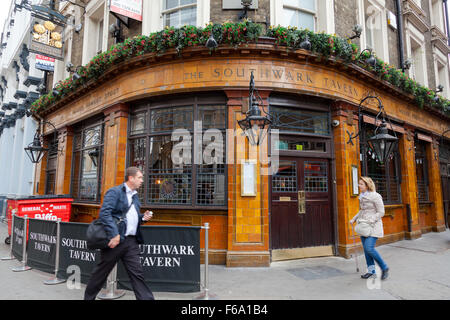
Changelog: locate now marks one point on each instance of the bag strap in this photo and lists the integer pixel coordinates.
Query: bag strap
(124, 214)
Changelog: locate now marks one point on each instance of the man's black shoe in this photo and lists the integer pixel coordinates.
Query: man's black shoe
(384, 274)
(368, 275)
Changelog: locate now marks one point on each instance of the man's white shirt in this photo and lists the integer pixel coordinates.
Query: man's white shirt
(132, 215)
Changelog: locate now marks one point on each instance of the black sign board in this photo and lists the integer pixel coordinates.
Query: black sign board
(17, 239)
(73, 252)
(170, 257)
(41, 249)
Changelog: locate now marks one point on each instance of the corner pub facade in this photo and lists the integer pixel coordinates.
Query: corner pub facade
(127, 115)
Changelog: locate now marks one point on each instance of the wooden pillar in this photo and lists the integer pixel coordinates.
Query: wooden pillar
(248, 217)
(435, 188)
(115, 146)
(64, 162)
(409, 184)
(347, 155)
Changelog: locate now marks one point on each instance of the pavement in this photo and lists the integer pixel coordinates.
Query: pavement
(419, 269)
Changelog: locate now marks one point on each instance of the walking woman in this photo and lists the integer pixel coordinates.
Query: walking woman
(371, 210)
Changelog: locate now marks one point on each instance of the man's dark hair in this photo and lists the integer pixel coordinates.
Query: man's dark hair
(131, 172)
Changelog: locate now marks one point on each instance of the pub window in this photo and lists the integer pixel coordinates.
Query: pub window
(387, 177)
(52, 159)
(301, 130)
(87, 160)
(421, 171)
(177, 13)
(168, 182)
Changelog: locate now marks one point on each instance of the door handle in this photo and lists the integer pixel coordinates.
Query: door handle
(301, 202)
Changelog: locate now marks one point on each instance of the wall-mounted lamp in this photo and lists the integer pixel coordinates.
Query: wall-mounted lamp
(305, 44)
(35, 151)
(246, 4)
(382, 143)
(371, 61)
(255, 125)
(407, 64)
(357, 30)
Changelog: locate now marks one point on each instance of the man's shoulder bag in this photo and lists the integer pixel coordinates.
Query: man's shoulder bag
(96, 236)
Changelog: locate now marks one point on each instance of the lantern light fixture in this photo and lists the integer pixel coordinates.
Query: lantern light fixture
(255, 125)
(382, 143)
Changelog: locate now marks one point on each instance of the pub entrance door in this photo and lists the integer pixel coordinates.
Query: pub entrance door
(301, 209)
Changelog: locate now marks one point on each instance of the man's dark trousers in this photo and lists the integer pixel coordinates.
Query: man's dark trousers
(128, 251)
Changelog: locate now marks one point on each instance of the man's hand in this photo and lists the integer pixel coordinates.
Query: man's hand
(114, 241)
(147, 215)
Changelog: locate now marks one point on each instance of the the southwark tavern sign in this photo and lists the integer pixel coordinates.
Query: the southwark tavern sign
(47, 38)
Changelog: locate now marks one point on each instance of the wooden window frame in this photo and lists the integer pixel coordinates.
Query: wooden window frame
(80, 130)
(161, 103)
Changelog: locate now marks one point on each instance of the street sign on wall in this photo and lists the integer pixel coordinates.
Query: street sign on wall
(127, 8)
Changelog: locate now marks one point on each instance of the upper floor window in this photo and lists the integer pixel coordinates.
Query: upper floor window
(177, 13)
(372, 18)
(300, 13)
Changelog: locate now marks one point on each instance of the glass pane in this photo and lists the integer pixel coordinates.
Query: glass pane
(307, 4)
(169, 4)
(168, 183)
(184, 2)
(212, 117)
(290, 18)
(306, 21)
(168, 119)
(173, 19)
(316, 176)
(137, 159)
(88, 179)
(211, 185)
(51, 182)
(422, 185)
(294, 120)
(300, 144)
(92, 137)
(188, 16)
(137, 125)
(285, 180)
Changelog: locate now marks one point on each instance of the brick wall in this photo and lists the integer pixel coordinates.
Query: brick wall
(260, 15)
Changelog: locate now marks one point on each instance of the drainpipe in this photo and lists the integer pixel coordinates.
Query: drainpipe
(446, 20)
(400, 34)
(409, 217)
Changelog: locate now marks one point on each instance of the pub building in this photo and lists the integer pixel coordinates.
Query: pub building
(128, 116)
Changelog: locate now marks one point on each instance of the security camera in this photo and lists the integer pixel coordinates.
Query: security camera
(335, 123)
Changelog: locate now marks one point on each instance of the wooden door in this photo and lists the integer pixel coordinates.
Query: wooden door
(301, 212)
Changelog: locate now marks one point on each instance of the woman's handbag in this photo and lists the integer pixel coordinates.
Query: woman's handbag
(363, 228)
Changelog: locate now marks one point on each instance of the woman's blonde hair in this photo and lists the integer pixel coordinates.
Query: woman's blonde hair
(369, 183)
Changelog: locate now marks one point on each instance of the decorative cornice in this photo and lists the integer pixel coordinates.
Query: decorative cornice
(415, 15)
(439, 40)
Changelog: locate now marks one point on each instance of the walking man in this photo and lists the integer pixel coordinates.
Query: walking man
(125, 237)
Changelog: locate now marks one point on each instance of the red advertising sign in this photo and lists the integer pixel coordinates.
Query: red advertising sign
(128, 8)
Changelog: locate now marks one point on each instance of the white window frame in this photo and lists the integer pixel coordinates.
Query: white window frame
(93, 16)
(380, 7)
(153, 15)
(412, 33)
(440, 58)
(437, 14)
(324, 15)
